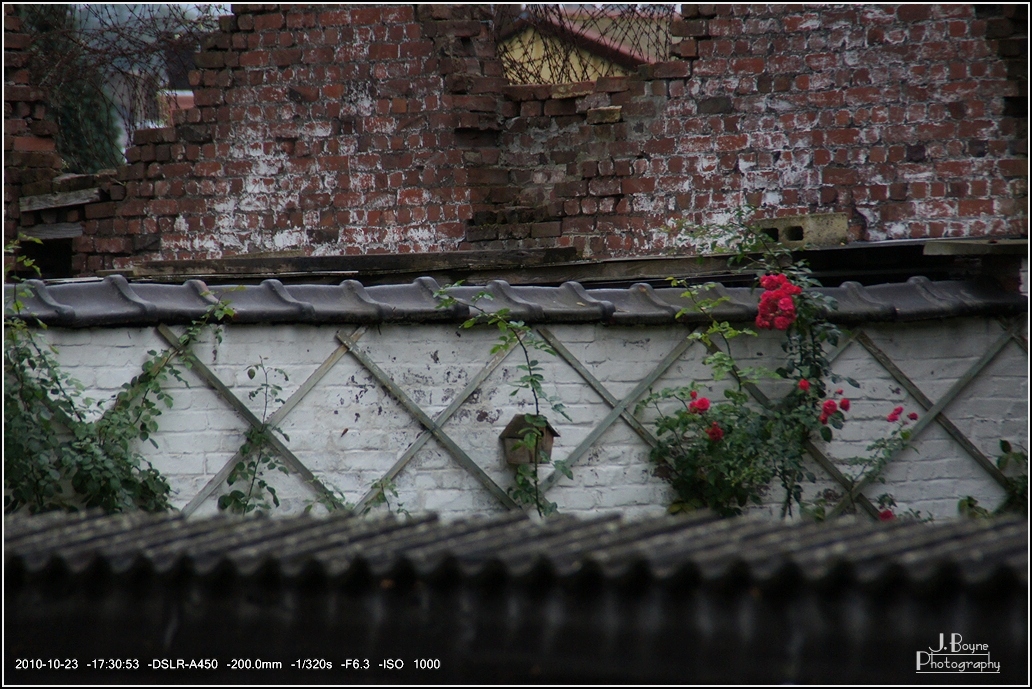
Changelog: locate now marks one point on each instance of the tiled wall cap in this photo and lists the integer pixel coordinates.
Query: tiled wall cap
(115, 302)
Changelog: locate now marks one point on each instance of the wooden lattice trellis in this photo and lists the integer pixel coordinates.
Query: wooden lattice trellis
(619, 409)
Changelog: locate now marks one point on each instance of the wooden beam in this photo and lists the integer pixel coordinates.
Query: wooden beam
(422, 263)
(67, 198)
(61, 230)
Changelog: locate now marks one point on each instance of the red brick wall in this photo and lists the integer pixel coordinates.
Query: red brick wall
(343, 129)
(30, 158)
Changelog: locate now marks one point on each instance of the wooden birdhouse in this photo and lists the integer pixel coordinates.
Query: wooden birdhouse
(519, 435)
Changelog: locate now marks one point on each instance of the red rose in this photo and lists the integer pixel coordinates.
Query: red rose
(804, 385)
(892, 418)
(824, 419)
(777, 309)
(693, 394)
(844, 404)
(912, 416)
(772, 282)
(699, 406)
(897, 410)
(715, 432)
(839, 391)
(829, 407)
(886, 516)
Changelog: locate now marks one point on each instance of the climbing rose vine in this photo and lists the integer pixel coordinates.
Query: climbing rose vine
(724, 454)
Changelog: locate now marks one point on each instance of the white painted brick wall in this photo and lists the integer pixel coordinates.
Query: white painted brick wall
(349, 431)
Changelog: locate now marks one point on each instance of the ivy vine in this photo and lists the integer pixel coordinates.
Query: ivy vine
(66, 451)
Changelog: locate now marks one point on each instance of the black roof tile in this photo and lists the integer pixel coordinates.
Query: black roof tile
(671, 600)
(515, 542)
(114, 301)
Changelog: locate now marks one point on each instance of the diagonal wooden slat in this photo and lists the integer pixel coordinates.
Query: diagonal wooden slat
(927, 403)
(274, 420)
(213, 381)
(457, 452)
(934, 411)
(596, 385)
(439, 420)
(618, 410)
(1018, 336)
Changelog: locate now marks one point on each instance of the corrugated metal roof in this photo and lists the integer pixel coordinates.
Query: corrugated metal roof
(115, 301)
(976, 550)
(505, 599)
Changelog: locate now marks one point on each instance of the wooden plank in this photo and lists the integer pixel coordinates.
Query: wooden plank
(617, 410)
(59, 200)
(975, 247)
(226, 394)
(387, 263)
(217, 480)
(440, 420)
(61, 230)
(1018, 336)
(457, 452)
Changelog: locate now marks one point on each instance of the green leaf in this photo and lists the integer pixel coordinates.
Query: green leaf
(826, 434)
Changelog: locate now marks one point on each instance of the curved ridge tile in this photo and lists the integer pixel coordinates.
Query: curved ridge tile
(149, 309)
(180, 304)
(637, 305)
(568, 303)
(268, 302)
(114, 301)
(977, 293)
(107, 302)
(508, 297)
(575, 292)
(36, 299)
(856, 304)
(415, 302)
(739, 305)
(347, 302)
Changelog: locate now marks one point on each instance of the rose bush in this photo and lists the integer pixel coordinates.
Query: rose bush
(727, 454)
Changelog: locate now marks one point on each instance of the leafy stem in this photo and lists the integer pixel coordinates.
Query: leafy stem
(516, 333)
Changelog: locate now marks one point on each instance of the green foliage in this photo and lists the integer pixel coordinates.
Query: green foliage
(385, 490)
(258, 455)
(87, 136)
(726, 455)
(65, 451)
(513, 333)
(869, 468)
(1010, 460)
